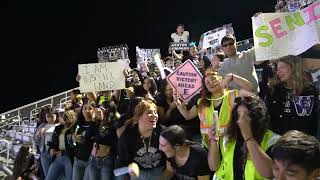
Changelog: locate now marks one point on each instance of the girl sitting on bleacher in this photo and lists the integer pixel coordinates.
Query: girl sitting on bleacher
(24, 164)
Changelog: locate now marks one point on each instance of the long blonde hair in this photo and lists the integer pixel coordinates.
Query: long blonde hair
(298, 79)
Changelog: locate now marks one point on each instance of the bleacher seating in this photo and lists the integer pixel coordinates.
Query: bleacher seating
(17, 127)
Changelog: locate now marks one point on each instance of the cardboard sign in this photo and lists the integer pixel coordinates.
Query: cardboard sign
(291, 33)
(146, 55)
(101, 76)
(187, 80)
(179, 46)
(112, 53)
(213, 39)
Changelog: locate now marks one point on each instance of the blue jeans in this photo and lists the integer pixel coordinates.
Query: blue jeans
(79, 169)
(100, 168)
(45, 160)
(60, 167)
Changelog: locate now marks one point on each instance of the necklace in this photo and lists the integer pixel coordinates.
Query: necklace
(146, 142)
(219, 98)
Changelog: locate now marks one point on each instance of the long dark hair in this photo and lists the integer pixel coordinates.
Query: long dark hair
(80, 116)
(153, 89)
(258, 114)
(22, 161)
(163, 85)
(176, 136)
(110, 115)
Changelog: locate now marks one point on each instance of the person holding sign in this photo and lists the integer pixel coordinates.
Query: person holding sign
(294, 101)
(170, 114)
(180, 35)
(241, 64)
(185, 159)
(216, 98)
(243, 153)
(139, 143)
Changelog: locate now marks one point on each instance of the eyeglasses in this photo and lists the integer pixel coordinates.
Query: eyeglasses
(244, 99)
(228, 44)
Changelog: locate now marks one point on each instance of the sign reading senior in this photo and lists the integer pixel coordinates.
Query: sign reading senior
(101, 76)
(292, 33)
(186, 80)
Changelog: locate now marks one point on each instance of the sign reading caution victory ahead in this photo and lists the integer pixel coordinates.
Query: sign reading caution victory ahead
(280, 34)
(101, 76)
(187, 80)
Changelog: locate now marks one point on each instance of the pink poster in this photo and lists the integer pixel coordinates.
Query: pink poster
(187, 80)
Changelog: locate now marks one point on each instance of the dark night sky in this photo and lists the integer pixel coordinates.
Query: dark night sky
(43, 41)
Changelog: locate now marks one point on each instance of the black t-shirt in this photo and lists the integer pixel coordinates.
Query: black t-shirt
(133, 149)
(106, 135)
(87, 131)
(196, 165)
(264, 72)
(289, 112)
(191, 127)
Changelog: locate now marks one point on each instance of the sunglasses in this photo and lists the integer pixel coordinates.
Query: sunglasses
(228, 44)
(245, 99)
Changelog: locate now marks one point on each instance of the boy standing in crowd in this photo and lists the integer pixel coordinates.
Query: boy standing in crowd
(241, 64)
(296, 156)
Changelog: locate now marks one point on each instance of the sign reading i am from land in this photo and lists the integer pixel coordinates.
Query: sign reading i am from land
(187, 80)
(101, 76)
(280, 34)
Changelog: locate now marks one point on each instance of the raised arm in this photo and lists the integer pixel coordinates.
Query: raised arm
(240, 81)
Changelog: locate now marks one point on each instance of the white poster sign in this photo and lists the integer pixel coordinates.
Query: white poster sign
(101, 76)
(291, 33)
(213, 39)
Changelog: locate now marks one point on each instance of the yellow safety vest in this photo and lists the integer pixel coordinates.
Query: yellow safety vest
(103, 99)
(206, 115)
(227, 147)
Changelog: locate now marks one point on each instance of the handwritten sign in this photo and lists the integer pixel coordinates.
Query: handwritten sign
(213, 39)
(291, 33)
(101, 76)
(179, 46)
(146, 55)
(187, 80)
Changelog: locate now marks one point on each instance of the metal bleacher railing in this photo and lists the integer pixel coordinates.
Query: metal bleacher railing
(17, 126)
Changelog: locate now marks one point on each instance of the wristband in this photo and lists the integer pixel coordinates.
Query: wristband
(248, 139)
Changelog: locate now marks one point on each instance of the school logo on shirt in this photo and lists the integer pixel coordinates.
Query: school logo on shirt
(303, 105)
(149, 157)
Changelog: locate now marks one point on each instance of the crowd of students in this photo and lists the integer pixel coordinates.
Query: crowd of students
(237, 127)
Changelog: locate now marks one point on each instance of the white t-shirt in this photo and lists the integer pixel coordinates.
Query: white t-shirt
(242, 65)
(183, 38)
(48, 131)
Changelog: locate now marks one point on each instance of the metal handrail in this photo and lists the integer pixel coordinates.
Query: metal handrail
(35, 109)
(14, 117)
(8, 149)
(16, 109)
(63, 100)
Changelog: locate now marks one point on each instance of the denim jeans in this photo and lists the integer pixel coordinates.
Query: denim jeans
(79, 169)
(60, 167)
(100, 168)
(45, 160)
